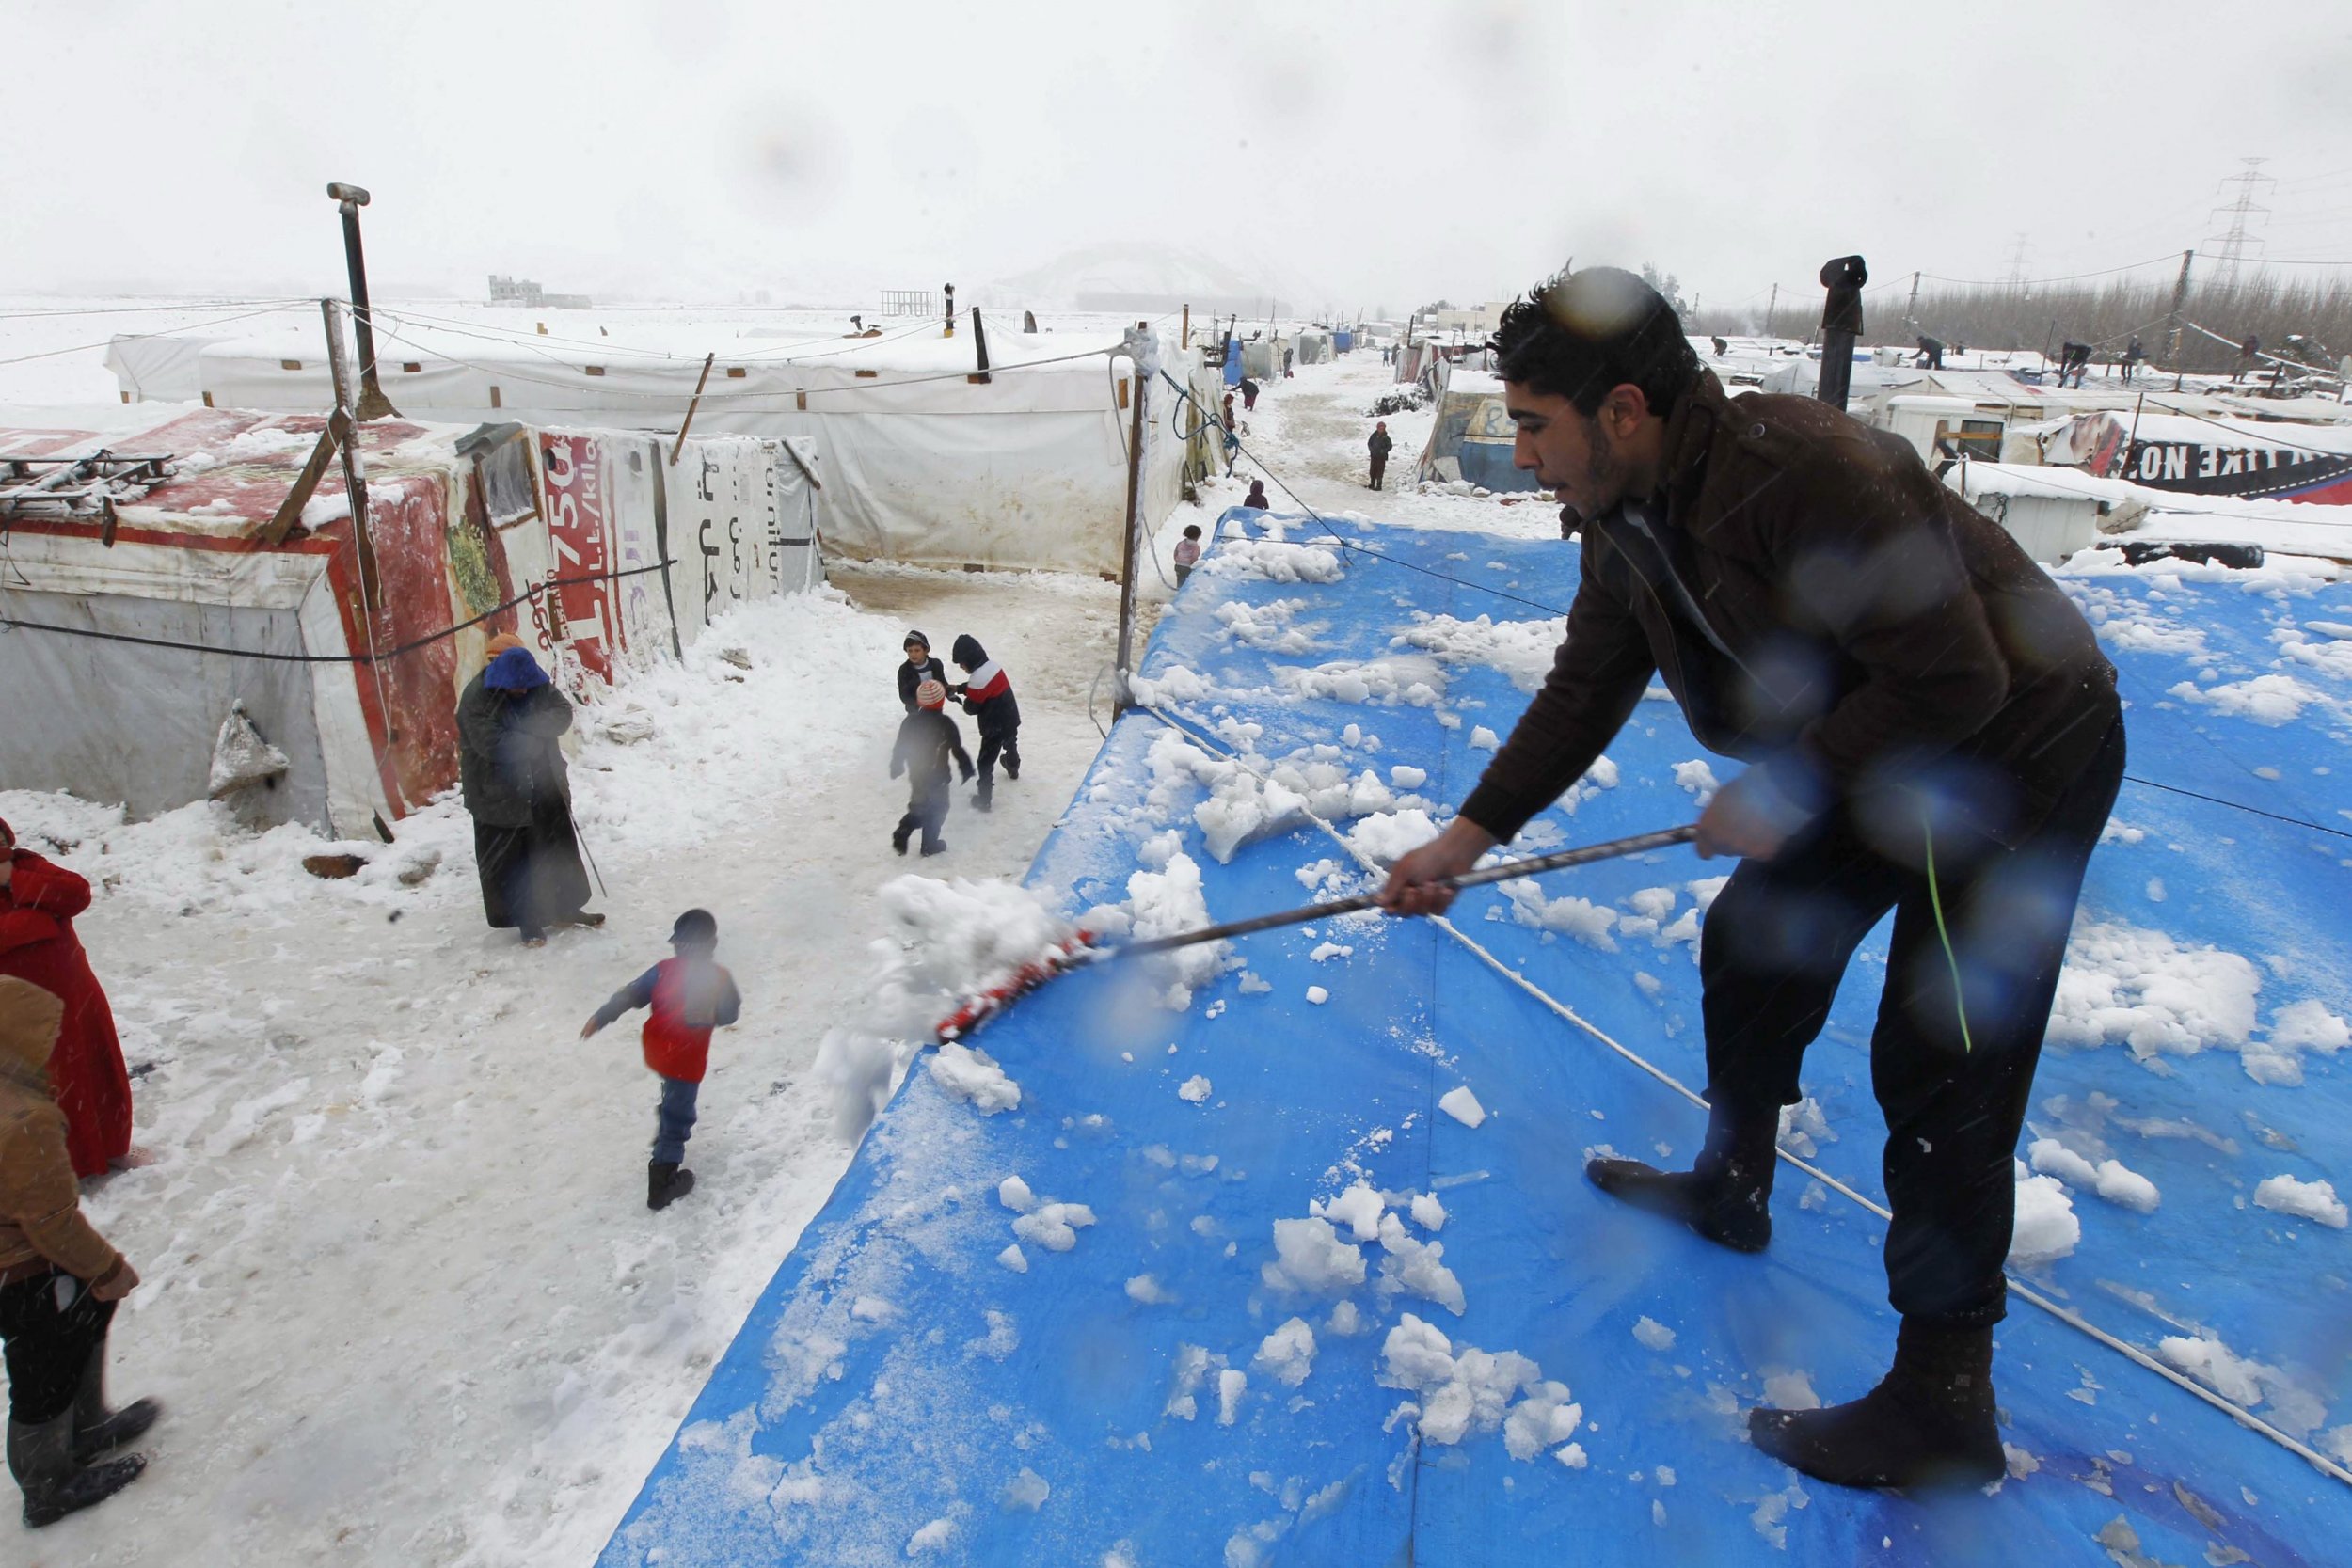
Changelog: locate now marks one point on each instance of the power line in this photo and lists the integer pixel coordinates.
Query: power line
(2235, 240)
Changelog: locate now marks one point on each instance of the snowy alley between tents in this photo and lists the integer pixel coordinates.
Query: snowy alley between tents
(402, 1299)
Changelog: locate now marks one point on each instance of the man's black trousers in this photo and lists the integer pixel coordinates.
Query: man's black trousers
(1777, 941)
(52, 1327)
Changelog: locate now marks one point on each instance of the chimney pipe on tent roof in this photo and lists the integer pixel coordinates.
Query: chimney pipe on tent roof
(373, 404)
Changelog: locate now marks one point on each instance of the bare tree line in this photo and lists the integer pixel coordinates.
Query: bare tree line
(2106, 315)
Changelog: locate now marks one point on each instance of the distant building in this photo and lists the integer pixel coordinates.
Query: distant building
(1476, 321)
(522, 291)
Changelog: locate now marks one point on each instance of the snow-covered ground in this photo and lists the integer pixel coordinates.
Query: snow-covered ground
(404, 1300)
(403, 1296)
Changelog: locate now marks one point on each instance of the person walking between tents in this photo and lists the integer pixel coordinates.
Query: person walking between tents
(1931, 729)
(510, 724)
(1249, 395)
(690, 995)
(58, 1284)
(38, 900)
(1379, 446)
(927, 739)
(987, 695)
(921, 665)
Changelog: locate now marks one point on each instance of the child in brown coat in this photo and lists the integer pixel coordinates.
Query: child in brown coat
(58, 1284)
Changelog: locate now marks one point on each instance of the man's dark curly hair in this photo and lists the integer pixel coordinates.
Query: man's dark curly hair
(1580, 334)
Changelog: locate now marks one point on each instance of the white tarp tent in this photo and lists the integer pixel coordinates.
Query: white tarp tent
(925, 461)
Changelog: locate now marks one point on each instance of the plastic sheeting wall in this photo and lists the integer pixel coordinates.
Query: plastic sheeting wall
(114, 722)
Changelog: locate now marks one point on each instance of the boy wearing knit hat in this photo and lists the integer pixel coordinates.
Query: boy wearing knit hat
(690, 995)
(921, 665)
(927, 738)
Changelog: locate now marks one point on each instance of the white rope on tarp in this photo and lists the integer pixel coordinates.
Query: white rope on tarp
(2067, 1315)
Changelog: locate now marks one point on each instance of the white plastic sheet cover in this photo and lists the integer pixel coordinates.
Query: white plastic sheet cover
(119, 721)
(920, 462)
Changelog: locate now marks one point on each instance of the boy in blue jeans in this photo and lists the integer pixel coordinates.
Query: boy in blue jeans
(689, 995)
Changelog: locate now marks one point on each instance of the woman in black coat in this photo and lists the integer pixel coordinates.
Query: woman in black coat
(510, 726)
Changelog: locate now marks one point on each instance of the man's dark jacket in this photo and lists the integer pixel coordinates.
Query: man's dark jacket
(1876, 632)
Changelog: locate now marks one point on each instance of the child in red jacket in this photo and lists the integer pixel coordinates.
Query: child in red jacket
(689, 995)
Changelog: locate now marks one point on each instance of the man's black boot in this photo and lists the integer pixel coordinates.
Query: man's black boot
(97, 1430)
(42, 1459)
(1930, 1421)
(1725, 1196)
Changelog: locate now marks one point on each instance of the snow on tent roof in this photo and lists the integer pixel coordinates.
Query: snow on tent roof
(1203, 1365)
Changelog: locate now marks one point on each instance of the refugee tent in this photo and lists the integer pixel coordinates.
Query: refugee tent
(1471, 440)
(1343, 340)
(2198, 454)
(1261, 359)
(929, 459)
(131, 628)
(1283, 1254)
(1314, 346)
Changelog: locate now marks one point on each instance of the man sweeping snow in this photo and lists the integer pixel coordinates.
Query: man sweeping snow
(1931, 728)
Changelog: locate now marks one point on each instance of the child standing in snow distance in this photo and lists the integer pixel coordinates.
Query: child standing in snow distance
(927, 739)
(690, 995)
(987, 695)
(1188, 551)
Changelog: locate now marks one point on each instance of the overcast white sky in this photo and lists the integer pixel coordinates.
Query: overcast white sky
(1362, 154)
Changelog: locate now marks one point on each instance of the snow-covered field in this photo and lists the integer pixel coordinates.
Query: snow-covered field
(404, 1300)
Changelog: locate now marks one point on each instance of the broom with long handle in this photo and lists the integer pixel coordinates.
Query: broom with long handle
(1083, 948)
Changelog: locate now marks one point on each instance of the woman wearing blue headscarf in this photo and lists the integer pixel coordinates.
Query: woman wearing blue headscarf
(510, 724)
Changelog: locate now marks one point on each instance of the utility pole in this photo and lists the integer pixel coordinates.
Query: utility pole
(1841, 323)
(373, 404)
(950, 312)
(355, 468)
(1146, 359)
(2172, 322)
(1771, 305)
(1911, 311)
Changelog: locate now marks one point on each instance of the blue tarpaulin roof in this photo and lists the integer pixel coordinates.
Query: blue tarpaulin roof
(898, 1392)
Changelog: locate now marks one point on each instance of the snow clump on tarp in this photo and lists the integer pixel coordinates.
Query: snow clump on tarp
(1523, 650)
(949, 940)
(2123, 985)
(1267, 560)
(2046, 1229)
(2311, 1200)
(1466, 1393)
